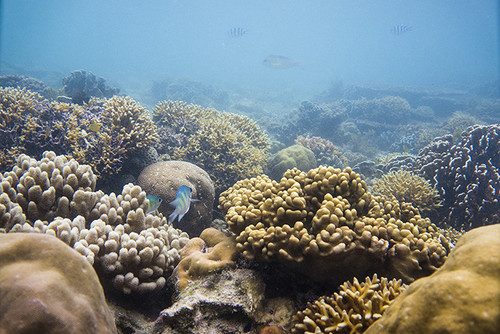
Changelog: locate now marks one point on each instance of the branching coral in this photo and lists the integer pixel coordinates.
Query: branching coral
(228, 146)
(352, 310)
(405, 186)
(325, 223)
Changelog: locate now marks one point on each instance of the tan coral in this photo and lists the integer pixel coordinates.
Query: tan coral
(352, 310)
(325, 222)
(461, 297)
(211, 252)
(405, 186)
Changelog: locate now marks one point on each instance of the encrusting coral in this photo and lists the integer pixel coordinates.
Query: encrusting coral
(352, 310)
(461, 297)
(211, 252)
(47, 287)
(405, 186)
(134, 250)
(228, 146)
(326, 224)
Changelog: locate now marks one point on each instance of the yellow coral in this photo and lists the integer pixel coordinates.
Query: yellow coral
(352, 310)
(405, 186)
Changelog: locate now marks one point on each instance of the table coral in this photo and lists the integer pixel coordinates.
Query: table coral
(352, 310)
(326, 224)
(47, 287)
(211, 252)
(405, 186)
(461, 297)
(228, 146)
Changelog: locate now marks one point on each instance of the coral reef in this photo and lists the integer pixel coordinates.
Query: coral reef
(327, 225)
(352, 310)
(405, 186)
(221, 303)
(228, 146)
(325, 152)
(211, 252)
(295, 156)
(461, 297)
(466, 175)
(23, 81)
(81, 86)
(133, 250)
(47, 287)
(164, 178)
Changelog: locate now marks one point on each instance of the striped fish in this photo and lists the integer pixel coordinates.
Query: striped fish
(236, 32)
(400, 29)
(181, 203)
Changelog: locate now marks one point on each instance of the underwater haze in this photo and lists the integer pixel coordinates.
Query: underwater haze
(437, 44)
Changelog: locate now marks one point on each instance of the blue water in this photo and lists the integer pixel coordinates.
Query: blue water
(452, 43)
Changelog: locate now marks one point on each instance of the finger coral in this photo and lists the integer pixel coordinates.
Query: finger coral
(405, 186)
(352, 310)
(326, 224)
(228, 146)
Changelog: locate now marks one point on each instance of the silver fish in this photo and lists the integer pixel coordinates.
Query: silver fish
(279, 62)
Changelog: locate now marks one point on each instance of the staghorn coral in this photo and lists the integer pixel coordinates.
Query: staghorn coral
(227, 146)
(326, 224)
(133, 250)
(352, 310)
(47, 287)
(211, 252)
(461, 297)
(405, 186)
(325, 152)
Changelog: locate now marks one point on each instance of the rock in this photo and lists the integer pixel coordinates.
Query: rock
(47, 287)
(461, 297)
(162, 179)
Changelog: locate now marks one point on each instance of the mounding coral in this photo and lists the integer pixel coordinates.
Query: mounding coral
(81, 86)
(134, 251)
(228, 146)
(352, 310)
(461, 297)
(325, 152)
(295, 156)
(405, 186)
(47, 287)
(326, 224)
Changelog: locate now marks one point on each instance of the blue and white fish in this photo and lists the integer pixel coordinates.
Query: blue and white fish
(154, 203)
(399, 29)
(237, 32)
(181, 203)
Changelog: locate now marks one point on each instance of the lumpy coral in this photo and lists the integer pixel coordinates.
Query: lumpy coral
(325, 152)
(81, 86)
(47, 287)
(228, 146)
(461, 297)
(352, 310)
(295, 156)
(133, 250)
(405, 186)
(326, 224)
(211, 252)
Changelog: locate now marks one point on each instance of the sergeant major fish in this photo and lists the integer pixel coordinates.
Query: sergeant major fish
(154, 203)
(181, 203)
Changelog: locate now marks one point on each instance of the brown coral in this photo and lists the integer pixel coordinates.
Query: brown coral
(228, 146)
(326, 224)
(352, 310)
(405, 186)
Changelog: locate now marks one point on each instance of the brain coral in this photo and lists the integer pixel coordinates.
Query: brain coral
(46, 287)
(461, 297)
(326, 224)
(228, 146)
(133, 250)
(405, 186)
(352, 310)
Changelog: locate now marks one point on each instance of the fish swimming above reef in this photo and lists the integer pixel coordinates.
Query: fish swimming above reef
(236, 32)
(181, 203)
(154, 203)
(399, 29)
(279, 62)
(95, 126)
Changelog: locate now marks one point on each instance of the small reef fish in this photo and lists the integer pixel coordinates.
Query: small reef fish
(181, 203)
(236, 32)
(400, 29)
(279, 62)
(154, 203)
(95, 126)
